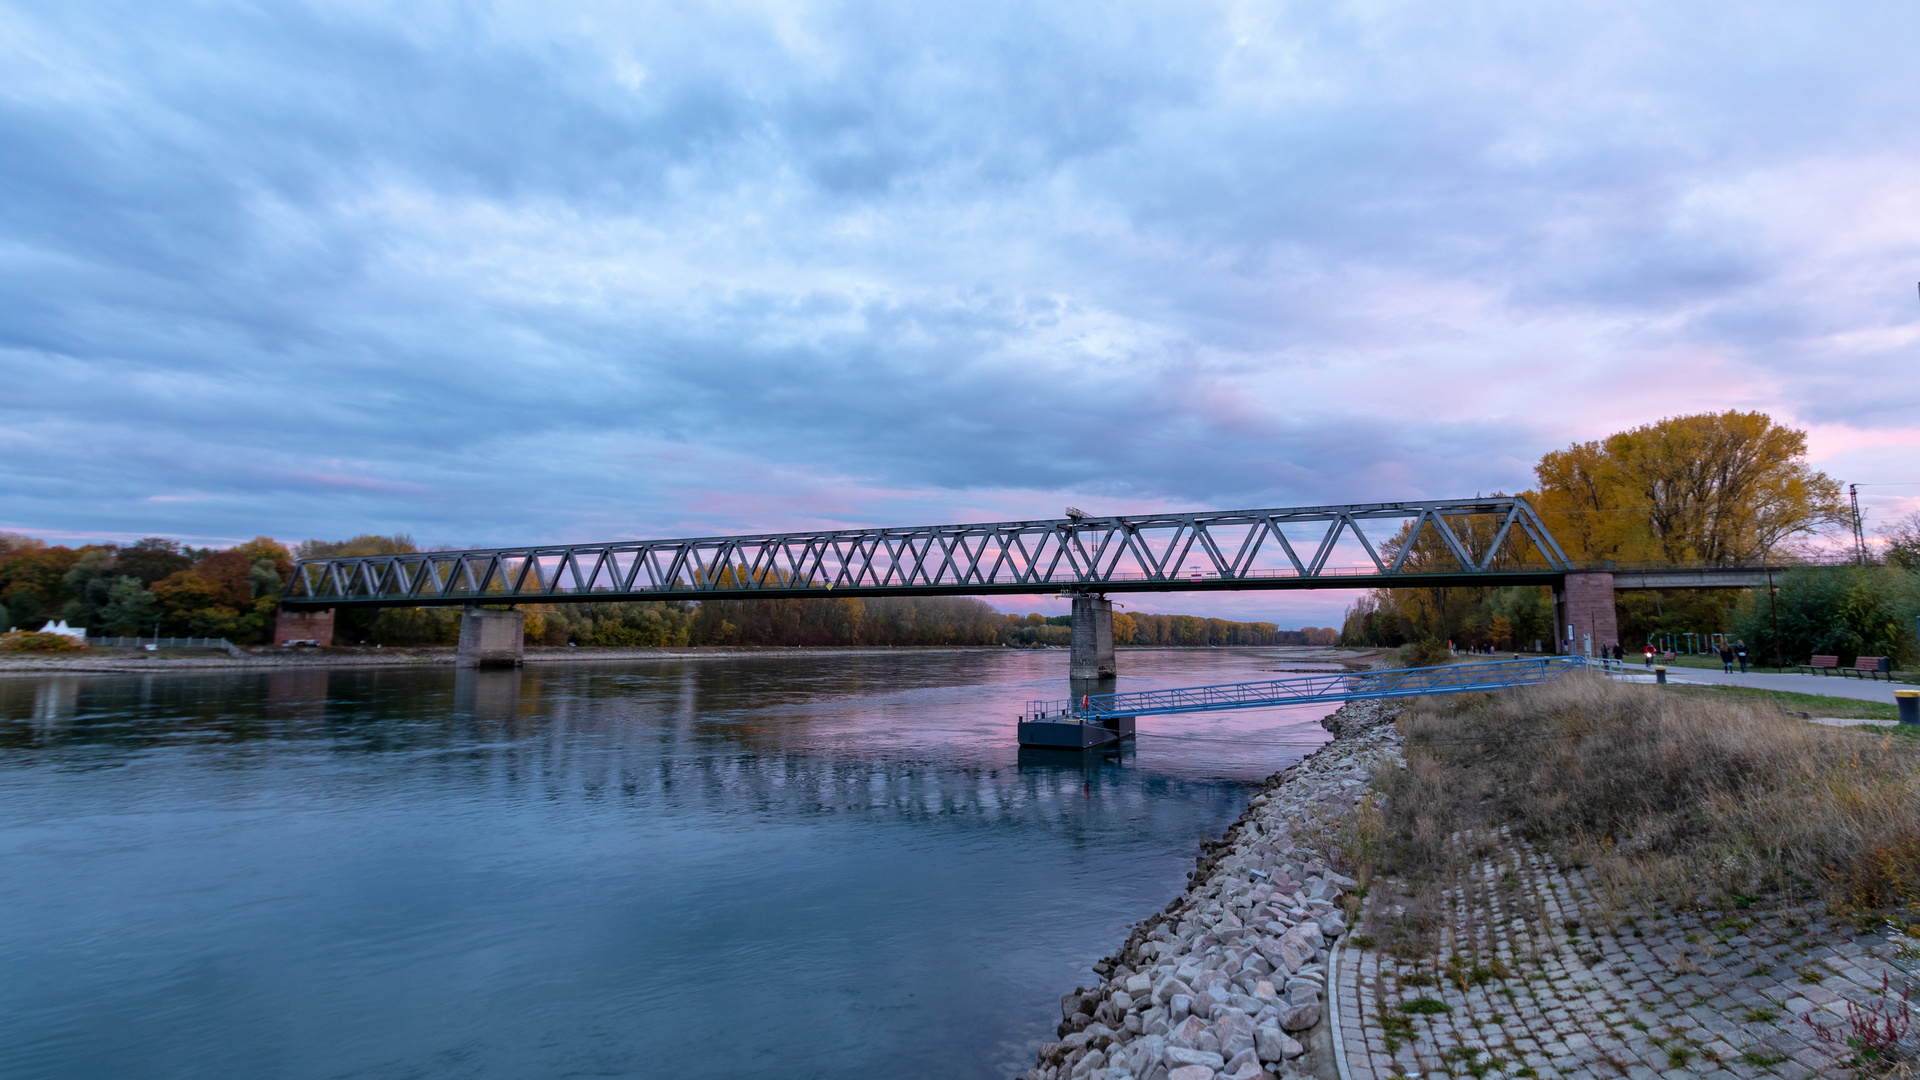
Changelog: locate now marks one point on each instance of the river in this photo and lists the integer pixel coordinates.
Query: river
(757, 866)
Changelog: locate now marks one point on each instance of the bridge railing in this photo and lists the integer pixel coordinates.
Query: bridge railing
(1316, 689)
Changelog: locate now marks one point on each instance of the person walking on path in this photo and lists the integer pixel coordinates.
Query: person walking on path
(1649, 655)
(1740, 651)
(1726, 658)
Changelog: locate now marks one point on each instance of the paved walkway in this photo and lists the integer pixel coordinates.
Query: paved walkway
(1535, 976)
(1841, 686)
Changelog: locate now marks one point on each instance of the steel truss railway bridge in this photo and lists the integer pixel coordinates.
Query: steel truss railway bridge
(1478, 542)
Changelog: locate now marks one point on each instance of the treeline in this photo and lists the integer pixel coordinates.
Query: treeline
(1166, 631)
(1713, 489)
(153, 584)
(882, 621)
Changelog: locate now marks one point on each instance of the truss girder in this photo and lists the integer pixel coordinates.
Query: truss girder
(1232, 549)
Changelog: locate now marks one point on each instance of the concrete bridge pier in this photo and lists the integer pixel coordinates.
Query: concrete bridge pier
(1584, 618)
(1092, 644)
(490, 638)
(303, 626)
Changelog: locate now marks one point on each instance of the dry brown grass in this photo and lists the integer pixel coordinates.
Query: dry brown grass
(1669, 798)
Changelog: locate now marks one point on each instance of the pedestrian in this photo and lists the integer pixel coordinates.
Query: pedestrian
(1726, 658)
(1649, 655)
(1740, 651)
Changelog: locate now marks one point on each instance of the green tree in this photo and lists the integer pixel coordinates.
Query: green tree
(1903, 542)
(151, 560)
(1848, 611)
(130, 608)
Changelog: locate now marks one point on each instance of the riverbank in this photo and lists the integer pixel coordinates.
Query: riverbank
(269, 656)
(1596, 879)
(1231, 980)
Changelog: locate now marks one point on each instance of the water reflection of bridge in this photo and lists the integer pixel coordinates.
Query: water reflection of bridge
(525, 734)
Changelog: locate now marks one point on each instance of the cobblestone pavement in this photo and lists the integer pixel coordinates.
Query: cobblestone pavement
(1534, 978)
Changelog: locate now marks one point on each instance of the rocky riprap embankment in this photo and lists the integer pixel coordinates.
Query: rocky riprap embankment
(1230, 980)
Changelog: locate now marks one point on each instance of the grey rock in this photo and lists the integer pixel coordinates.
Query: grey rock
(1241, 1060)
(1168, 989)
(1139, 985)
(1308, 934)
(1175, 1057)
(1094, 1060)
(1299, 1017)
(1270, 1043)
(1332, 926)
(1145, 1054)
(1235, 1033)
(1179, 1008)
(1188, 1033)
(1276, 954)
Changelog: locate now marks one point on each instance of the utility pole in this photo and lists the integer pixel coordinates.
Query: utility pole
(1859, 536)
(1773, 609)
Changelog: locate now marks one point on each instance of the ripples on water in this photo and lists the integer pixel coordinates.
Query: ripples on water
(761, 866)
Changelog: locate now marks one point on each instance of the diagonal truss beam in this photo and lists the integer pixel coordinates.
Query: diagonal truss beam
(1360, 546)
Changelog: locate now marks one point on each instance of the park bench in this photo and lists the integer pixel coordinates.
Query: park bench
(1871, 667)
(1822, 664)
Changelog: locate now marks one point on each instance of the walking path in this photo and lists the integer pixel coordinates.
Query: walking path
(1839, 686)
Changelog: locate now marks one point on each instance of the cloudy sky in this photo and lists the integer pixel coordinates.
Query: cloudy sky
(531, 272)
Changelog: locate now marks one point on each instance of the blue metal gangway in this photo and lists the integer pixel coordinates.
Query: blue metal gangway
(1318, 689)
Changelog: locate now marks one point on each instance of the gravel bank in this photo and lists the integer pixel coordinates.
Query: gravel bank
(1230, 980)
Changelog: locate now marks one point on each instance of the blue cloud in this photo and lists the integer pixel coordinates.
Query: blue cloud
(514, 272)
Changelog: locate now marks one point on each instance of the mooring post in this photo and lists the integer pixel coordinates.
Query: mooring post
(490, 638)
(1092, 655)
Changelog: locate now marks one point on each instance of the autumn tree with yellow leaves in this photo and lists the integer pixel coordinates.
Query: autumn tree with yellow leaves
(1715, 489)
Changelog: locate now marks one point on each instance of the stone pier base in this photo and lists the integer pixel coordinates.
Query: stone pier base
(303, 625)
(1092, 656)
(491, 639)
(1584, 617)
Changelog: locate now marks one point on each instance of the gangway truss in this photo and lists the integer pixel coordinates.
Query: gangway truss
(1096, 719)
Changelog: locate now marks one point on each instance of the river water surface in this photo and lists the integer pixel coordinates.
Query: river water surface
(759, 866)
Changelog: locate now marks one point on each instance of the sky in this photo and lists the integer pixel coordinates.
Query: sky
(515, 273)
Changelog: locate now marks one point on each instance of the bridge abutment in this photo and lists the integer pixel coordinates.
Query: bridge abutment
(1092, 643)
(303, 626)
(1585, 620)
(491, 638)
